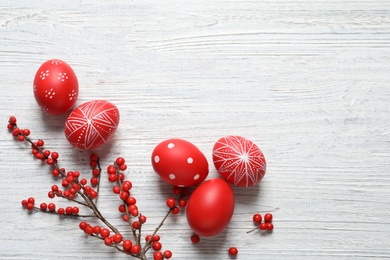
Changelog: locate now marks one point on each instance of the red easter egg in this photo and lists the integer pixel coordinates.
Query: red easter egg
(239, 161)
(179, 163)
(55, 87)
(210, 207)
(92, 124)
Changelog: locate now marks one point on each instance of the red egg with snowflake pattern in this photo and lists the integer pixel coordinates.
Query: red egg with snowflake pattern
(239, 161)
(55, 87)
(92, 124)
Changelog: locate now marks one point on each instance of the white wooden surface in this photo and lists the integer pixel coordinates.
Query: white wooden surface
(307, 81)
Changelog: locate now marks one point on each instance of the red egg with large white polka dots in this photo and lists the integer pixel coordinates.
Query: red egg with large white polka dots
(239, 161)
(55, 87)
(179, 163)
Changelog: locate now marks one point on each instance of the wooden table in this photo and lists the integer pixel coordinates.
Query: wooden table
(307, 81)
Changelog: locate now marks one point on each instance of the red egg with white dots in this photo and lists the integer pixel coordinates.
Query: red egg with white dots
(55, 87)
(239, 161)
(92, 124)
(179, 163)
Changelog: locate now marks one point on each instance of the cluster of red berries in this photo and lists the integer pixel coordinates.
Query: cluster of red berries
(267, 224)
(29, 204)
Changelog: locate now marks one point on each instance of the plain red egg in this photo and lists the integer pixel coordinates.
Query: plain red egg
(210, 207)
(179, 163)
(55, 87)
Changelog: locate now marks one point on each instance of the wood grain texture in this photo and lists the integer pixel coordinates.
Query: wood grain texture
(307, 81)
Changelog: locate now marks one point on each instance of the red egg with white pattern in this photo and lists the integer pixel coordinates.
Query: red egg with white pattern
(179, 163)
(55, 87)
(239, 161)
(92, 124)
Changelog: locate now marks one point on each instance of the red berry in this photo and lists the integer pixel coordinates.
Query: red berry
(112, 177)
(108, 241)
(123, 167)
(31, 200)
(142, 219)
(263, 226)
(12, 120)
(61, 211)
(55, 172)
(111, 169)
(124, 195)
(94, 181)
(10, 126)
(127, 245)
(170, 202)
(24, 203)
(270, 226)
(116, 189)
(156, 238)
(93, 194)
(157, 246)
(233, 251)
(117, 238)
(131, 201)
(51, 194)
(46, 153)
(75, 210)
(257, 218)
(136, 225)
(30, 206)
(83, 182)
(83, 225)
(43, 206)
(195, 238)
(54, 155)
(105, 232)
(88, 230)
(93, 157)
(182, 203)
(127, 185)
(268, 218)
(175, 210)
(148, 237)
(51, 207)
(15, 131)
(95, 172)
(157, 256)
(54, 188)
(125, 218)
(96, 230)
(135, 249)
(68, 210)
(122, 208)
(40, 143)
(167, 254)
(134, 212)
(93, 164)
(119, 161)
(21, 138)
(26, 132)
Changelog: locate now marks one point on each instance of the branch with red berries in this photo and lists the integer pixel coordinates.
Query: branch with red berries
(77, 190)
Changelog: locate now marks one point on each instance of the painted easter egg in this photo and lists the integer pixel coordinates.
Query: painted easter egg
(92, 124)
(55, 87)
(239, 161)
(179, 163)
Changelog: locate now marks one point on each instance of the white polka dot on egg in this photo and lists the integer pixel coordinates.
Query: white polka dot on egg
(196, 177)
(172, 176)
(171, 145)
(190, 160)
(156, 159)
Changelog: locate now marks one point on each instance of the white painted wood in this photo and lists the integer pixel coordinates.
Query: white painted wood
(307, 81)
